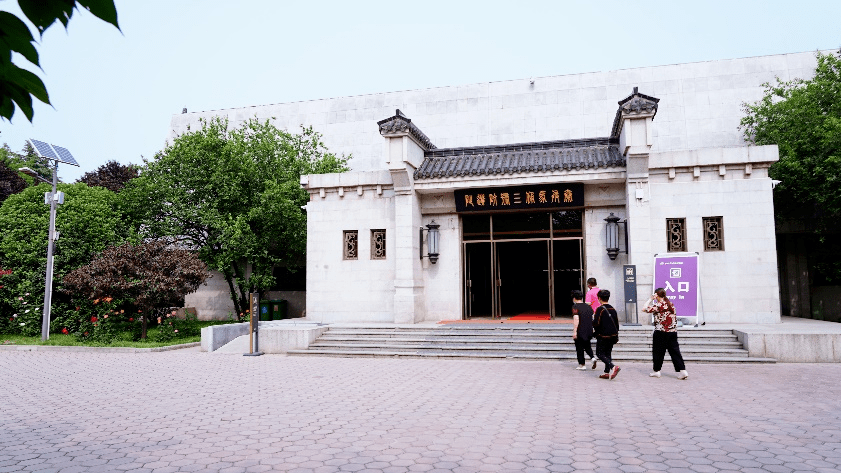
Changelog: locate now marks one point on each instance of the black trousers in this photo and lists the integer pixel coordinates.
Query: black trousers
(582, 346)
(604, 351)
(666, 341)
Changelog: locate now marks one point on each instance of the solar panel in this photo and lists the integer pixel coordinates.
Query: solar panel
(64, 156)
(43, 149)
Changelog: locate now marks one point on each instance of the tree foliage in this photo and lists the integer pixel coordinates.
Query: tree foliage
(88, 221)
(233, 195)
(17, 85)
(111, 175)
(803, 118)
(27, 158)
(149, 274)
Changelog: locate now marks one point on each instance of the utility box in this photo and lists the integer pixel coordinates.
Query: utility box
(279, 307)
(265, 311)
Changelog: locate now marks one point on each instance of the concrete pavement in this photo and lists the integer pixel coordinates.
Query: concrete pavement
(190, 411)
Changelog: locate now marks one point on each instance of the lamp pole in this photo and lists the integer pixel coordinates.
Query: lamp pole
(55, 154)
(48, 284)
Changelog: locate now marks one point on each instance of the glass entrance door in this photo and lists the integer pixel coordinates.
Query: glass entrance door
(522, 264)
(567, 264)
(523, 278)
(479, 280)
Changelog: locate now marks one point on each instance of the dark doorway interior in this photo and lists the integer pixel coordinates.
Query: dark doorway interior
(524, 277)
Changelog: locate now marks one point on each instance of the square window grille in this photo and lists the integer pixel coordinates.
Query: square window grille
(377, 244)
(351, 244)
(676, 234)
(713, 234)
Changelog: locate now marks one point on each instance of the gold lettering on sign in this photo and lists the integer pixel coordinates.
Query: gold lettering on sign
(468, 200)
(556, 196)
(480, 200)
(529, 197)
(541, 197)
(567, 195)
(505, 199)
(492, 200)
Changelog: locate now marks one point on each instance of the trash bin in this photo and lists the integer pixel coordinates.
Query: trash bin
(279, 309)
(265, 310)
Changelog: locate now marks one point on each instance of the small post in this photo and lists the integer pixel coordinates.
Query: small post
(254, 327)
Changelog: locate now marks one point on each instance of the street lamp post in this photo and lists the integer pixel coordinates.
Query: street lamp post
(55, 154)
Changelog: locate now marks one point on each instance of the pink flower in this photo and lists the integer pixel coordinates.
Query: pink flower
(176, 331)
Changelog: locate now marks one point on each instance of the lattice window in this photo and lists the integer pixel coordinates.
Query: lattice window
(377, 244)
(713, 234)
(351, 244)
(676, 234)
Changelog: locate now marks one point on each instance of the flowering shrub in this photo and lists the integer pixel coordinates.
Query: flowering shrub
(111, 323)
(22, 315)
(170, 327)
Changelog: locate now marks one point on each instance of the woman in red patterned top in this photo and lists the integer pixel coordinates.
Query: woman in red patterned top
(665, 333)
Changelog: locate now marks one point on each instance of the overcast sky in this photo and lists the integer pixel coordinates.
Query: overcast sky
(114, 93)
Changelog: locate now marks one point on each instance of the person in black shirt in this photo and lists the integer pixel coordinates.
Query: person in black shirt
(606, 327)
(582, 328)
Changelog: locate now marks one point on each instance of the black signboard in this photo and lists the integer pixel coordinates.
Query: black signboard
(534, 197)
(629, 275)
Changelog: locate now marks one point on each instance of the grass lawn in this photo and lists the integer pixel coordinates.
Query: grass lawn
(58, 339)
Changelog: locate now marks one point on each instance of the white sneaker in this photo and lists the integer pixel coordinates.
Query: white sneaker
(581, 367)
(655, 374)
(683, 375)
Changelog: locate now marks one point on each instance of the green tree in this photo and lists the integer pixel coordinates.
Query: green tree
(149, 274)
(27, 158)
(234, 196)
(88, 222)
(803, 118)
(17, 85)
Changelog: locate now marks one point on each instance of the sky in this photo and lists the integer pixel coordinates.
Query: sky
(114, 92)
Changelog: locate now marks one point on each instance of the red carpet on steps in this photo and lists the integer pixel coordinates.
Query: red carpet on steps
(531, 316)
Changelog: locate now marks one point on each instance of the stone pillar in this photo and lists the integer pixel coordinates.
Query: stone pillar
(633, 128)
(404, 151)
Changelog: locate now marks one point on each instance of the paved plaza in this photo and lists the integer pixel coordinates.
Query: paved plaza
(191, 411)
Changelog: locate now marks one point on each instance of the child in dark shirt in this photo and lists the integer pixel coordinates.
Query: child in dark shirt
(606, 327)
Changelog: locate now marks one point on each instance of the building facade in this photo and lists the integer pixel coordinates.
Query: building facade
(520, 177)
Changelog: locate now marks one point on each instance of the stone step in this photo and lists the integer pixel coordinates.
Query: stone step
(563, 342)
(501, 334)
(512, 339)
(619, 348)
(518, 341)
(517, 356)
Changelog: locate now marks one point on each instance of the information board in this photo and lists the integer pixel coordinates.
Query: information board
(677, 273)
(629, 276)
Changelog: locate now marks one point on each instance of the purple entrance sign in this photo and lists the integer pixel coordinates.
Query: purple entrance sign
(678, 274)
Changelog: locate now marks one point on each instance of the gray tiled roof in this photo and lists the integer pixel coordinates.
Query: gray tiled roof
(545, 156)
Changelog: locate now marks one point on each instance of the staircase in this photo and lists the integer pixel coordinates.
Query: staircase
(514, 341)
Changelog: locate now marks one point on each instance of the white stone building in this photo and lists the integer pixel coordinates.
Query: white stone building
(670, 153)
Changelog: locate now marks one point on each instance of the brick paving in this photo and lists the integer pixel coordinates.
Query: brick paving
(190, 411)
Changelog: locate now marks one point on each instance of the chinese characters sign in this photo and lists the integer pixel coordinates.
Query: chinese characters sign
(678, 275)
(545, 196)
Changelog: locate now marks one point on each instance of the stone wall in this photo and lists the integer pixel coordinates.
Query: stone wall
(701, 108)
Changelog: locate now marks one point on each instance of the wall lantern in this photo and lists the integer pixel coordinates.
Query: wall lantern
(612, 235)
(432, 239)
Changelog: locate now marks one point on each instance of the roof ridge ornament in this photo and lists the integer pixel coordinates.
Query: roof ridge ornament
(400, 124)
(636, 105)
